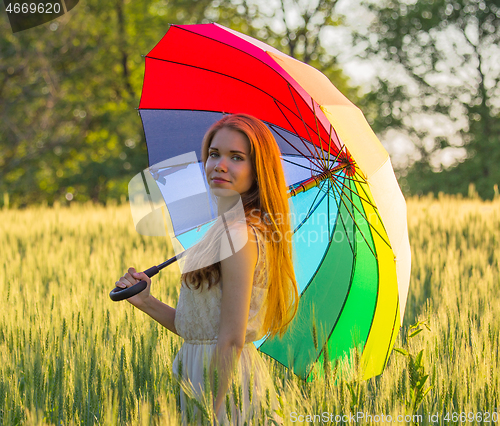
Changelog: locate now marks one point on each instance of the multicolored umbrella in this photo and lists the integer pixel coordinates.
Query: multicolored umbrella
(349, 216)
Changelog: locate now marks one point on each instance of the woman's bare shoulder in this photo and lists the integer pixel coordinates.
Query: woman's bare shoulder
(244, 258)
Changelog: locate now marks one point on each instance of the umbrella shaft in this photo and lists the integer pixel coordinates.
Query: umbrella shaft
(314, 181)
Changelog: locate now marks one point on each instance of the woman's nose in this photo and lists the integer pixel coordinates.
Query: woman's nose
(221, 165)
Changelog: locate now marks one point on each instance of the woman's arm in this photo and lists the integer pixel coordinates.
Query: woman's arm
(157, 310)
(160, 312)
(237, 279)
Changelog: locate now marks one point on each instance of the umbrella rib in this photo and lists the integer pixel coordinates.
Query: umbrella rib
(289, 143)
(295, 164)
(302, 119)
(328, 210)
(300, 137)
(393, 330)
(338, 140)
(361, 232)
(355, 193)
(325, 164)
(330, 143)
(336, 135)
(297, 133)
(355, 180)
(343, 223)
(376, 211)
(364, 217)
(336, 155)
(312, 208)
(144, 181)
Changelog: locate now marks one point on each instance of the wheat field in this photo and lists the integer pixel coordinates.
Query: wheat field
(70, 356)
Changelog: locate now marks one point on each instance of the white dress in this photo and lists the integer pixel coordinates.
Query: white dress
(197, 320)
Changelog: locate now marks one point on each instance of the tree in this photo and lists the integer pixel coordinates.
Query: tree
(68, 93)
(69, 89)
(299, 28)
(443, 57)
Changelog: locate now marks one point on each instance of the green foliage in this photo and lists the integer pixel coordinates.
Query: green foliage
(415, 369)
(69, 90)
(68, 107)
(443, 75)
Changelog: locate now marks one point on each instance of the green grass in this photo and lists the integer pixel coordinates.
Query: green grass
(68, 355)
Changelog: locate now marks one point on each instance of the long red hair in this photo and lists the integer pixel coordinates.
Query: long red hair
(266, 207)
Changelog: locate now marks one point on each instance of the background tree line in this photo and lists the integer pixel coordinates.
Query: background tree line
(444, 58)
(68, 89)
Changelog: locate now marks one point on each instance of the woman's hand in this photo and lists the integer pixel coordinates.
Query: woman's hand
(157, 310)
(133, 277)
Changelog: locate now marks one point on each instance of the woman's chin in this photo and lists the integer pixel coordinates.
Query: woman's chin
(224, 192)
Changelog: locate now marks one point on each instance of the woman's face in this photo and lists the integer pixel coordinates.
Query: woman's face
(229, 166)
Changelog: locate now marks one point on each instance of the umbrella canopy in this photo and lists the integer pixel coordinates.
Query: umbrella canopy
(352, 255)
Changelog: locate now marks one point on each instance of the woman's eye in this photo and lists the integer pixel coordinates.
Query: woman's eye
(237, 157)
(212, 153)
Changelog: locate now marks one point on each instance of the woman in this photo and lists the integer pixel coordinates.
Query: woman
(226, 306)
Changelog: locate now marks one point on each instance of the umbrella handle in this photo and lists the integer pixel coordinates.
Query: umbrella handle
(119, 293)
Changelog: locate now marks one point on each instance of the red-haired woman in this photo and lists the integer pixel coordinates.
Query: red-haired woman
(226, 306)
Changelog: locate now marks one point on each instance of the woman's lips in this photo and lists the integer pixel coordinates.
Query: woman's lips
(219, 181)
